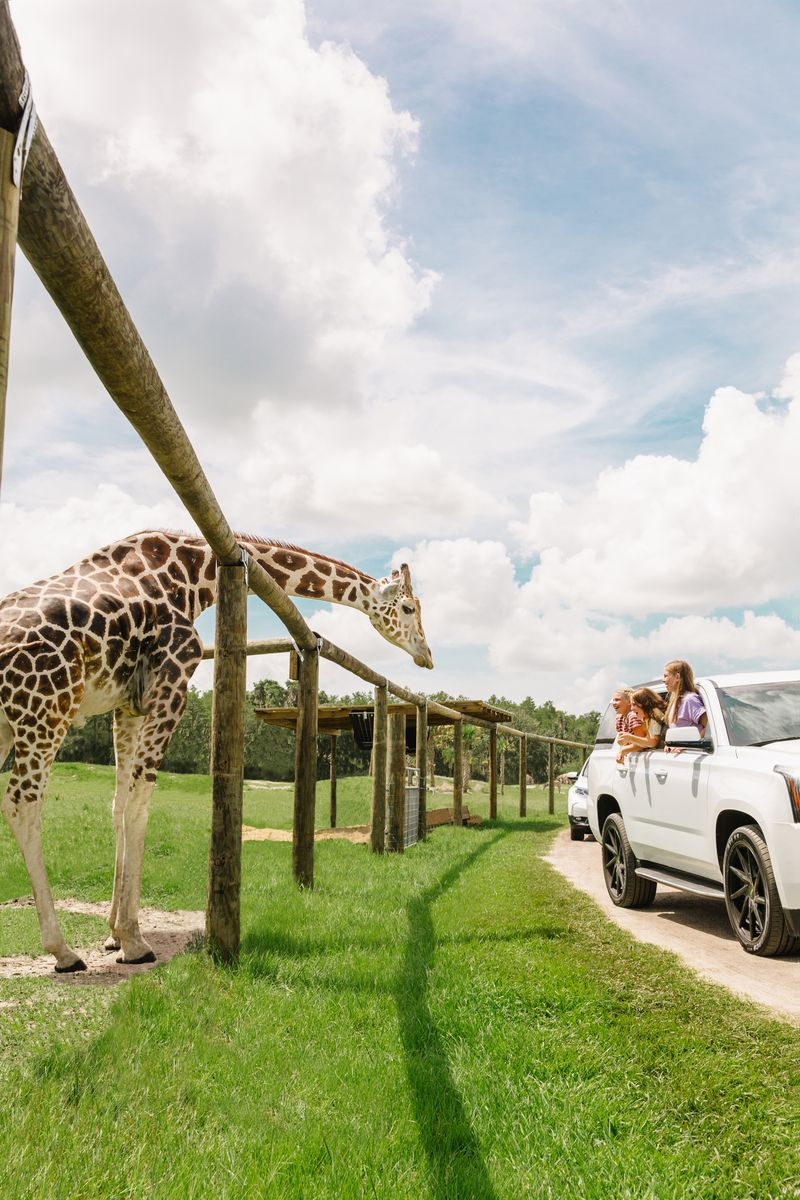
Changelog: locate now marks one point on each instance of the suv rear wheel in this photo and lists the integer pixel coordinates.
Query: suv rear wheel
(624, 886)
(751, 897)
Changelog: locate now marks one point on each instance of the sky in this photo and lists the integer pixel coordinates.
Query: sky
(506, 292)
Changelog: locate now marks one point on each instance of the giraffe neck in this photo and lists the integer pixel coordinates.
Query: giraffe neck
(185, 568)
(304, 573)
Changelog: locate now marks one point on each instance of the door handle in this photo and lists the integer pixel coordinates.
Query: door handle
(661, 776)
(623, 771)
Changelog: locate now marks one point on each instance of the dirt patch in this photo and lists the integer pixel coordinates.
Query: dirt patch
(169, 933)
(693, 927)
(358, 834)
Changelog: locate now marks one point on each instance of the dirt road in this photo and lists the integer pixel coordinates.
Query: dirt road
(694, 928)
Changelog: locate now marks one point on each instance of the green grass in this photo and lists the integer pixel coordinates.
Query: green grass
(453, 1022)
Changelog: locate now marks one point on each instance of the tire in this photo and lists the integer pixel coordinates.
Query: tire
(624, 886)
(576, 835)
(751, 897)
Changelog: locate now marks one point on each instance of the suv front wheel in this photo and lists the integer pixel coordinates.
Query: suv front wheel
(751, 897)
(625, 887)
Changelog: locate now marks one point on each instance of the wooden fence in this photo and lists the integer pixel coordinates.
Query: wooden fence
(40, 213)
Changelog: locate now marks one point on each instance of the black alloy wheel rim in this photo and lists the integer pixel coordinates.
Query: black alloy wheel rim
(747, 893)
(614, 861)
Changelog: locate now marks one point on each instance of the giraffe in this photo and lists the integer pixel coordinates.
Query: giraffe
(115, 631)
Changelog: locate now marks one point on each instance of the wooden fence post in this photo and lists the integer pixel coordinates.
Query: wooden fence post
(377, 837)
(523, 776)
(227, 763)
(396, 782)
(305, 769)
(493, 773)
(551, 775)
(9, 219)
(458, 773)
(334, 743)
(502, 771)
(422, 769)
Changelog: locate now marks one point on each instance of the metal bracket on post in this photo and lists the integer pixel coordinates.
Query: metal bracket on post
(27, 128)
(245, 562)
(299, 654)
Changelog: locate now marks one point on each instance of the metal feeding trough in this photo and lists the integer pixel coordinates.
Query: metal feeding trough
(363, 723)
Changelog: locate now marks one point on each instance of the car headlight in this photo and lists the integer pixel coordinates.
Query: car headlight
(792, 777)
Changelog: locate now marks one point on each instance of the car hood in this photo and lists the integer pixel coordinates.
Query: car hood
(778, 748)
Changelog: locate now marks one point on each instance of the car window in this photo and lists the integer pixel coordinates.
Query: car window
(607, 730)
(756, 713)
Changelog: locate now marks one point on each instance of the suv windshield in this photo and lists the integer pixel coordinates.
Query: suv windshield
(756, 713)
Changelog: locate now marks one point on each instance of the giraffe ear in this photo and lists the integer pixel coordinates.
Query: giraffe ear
(389, 591)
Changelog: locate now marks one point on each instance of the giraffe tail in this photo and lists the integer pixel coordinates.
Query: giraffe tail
(141, 675)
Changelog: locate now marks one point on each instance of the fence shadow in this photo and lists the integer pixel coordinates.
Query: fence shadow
(457, 1169)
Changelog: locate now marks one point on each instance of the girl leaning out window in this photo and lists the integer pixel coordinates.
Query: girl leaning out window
(647, 712)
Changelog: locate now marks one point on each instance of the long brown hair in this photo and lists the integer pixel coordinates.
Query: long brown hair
(650, 703)
(685, 684)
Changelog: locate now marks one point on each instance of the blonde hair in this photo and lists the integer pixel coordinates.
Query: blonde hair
(685, 684)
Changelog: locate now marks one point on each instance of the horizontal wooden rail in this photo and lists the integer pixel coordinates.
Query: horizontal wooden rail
(354, 665)
(265, 646)
(541, 737)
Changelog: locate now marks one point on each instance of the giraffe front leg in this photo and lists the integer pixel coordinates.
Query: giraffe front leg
(126, 739)
(22, 808)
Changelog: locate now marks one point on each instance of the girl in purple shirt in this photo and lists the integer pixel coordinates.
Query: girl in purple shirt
(685, 707)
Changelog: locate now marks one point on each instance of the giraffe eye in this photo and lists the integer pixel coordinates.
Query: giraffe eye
(407, 609)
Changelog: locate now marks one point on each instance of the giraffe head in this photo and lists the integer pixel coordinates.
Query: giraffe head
(395, 613)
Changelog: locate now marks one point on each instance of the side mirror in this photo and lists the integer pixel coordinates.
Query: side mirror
(687, 737)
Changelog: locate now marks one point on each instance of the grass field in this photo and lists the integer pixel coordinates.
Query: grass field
(455, 1022)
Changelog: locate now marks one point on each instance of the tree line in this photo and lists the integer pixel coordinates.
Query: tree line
(269, 750)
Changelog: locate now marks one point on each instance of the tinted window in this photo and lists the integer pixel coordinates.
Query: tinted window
(761, 712)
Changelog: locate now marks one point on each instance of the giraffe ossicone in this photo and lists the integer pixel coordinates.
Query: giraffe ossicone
(115, 631)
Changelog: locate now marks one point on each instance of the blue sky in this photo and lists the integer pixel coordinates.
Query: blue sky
(509, 292)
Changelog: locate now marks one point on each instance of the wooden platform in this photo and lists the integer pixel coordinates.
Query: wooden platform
(334, 718)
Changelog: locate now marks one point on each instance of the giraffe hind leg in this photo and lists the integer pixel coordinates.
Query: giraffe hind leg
(167, 702)
(127, 728)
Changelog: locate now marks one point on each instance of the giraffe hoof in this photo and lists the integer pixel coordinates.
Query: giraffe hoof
(111, 943)
(78, 965)
(134, 962)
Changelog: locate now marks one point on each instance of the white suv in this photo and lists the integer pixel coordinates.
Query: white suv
(721, 818)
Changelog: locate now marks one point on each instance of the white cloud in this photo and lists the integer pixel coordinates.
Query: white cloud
(256, 174)
(663, 534)
(40, 541)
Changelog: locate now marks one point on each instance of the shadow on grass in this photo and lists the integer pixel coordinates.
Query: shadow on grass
(540, 824)
(452, 1149)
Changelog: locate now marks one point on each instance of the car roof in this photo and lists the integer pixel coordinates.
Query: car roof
(731, 680)
(743, 677)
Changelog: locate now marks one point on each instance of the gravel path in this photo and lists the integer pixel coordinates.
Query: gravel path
(692, 927)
